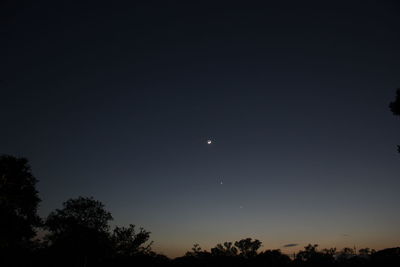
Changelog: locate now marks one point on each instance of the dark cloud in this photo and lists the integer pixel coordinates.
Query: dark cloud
(290, 245)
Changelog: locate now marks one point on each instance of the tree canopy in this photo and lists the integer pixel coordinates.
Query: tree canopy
(19, 201)
(82, 212)
(128, 242)
(79, 232)
(248, 247)
(395, 105)
(395, 108)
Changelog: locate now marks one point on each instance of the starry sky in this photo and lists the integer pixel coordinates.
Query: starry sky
(117, 101)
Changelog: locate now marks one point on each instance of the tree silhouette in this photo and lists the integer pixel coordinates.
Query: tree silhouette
(387, 257)
(329, 251)
(308, 253)
(18, 203)
(227, 249)
(395, 105)
(79, 231)
(346, 253)
(312, 257)
(81, 212)
(366, 251)
(273, 258)
(395, 108)
(196, 251)
(127, 242)
(247, 247)
(79, 235)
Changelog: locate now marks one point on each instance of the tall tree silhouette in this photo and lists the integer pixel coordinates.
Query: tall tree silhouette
(395, 108)
(18, 203)
(79, 231)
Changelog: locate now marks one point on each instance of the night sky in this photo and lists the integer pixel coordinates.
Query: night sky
(117, 101)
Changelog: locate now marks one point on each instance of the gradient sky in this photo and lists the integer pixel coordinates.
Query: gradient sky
(117, 101)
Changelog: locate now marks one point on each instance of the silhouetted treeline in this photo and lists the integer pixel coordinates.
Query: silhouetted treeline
(79, 234)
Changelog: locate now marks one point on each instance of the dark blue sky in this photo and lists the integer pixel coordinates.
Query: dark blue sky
(117, 101)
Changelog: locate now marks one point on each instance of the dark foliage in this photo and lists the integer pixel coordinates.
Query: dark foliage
(395, 105)
(248, 248)
(79, 235)
(19, 201)
(395, 108)
(78, 232)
